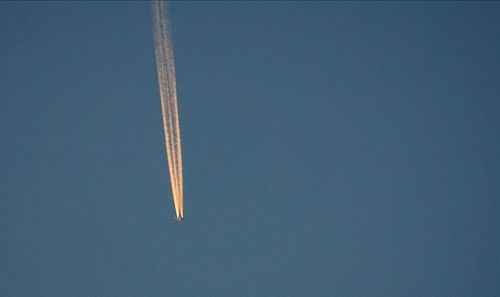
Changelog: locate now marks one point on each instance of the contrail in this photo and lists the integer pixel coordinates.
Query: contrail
(168, 93)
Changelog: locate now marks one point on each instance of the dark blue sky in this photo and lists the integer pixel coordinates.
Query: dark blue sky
(330, 149)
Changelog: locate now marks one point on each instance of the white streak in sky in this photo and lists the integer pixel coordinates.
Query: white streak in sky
(168, 93)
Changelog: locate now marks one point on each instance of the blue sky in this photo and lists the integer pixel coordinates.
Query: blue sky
(330, 149)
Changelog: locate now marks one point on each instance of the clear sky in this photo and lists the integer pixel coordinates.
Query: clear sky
(330, 149)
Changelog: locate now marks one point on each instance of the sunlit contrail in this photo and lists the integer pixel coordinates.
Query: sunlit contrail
(168, 93)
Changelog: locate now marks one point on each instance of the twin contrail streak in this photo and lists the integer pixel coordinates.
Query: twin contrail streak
(168, 93)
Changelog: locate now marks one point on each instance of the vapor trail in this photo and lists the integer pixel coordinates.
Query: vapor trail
(168, 94)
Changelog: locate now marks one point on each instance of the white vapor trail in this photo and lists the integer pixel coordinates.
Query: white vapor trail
(168, 93)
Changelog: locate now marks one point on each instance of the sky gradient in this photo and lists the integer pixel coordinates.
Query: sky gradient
(329, 149)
